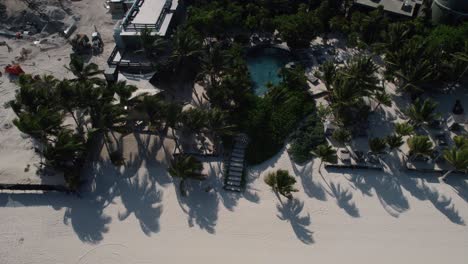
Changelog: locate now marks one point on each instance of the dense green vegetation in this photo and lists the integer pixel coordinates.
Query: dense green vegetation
(186, 167)
(414, 54)
(309, 135)
(272, 118)
(42, 102)
(210, 48)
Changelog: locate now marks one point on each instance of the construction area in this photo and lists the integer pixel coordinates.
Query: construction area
(37, 37)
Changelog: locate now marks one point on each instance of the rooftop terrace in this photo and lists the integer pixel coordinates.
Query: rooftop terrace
(151, 14)
(400, 7)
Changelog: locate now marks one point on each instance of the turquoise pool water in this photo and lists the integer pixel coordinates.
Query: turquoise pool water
(264, 64)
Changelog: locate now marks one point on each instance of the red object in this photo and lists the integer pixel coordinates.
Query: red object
(14, 69)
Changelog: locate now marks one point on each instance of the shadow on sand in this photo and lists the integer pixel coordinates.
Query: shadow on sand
(311, 187)
(389, 186)
(200, 207)
(344, 199)
(85, 215)
(291, 212)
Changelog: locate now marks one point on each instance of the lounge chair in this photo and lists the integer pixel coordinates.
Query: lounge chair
(441, 139)
(344, 156)
(372, 158)
(452, 124)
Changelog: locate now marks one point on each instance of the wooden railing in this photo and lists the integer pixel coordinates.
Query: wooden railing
(128, 64)
(110, 60)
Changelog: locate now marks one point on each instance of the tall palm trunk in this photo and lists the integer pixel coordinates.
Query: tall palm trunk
(459, 78)
(182, 187)
(443, 177)
(376, 107)
(176, 141)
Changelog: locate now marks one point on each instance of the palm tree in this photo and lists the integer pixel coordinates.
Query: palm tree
(186, 167)
(404, 129)
(394, 141)
(107, 118)
(362, 72)
(69, 100)
(213, 62)
(461, 141)
(35, 92)
(382, 98)
(41, 125)
(194, 120)
(372, 25)
(153, 107)
(123, 90)
(217, 122)
(327, 72)
(413, 65)
(377, 145)
(82, 71)
(422, 112)
(172, 114)
(281, 182)
(325, 153)
(218, 125)
(187, 49)
(419, 146)
(151, 44)
(66, 151)
(395, 37)
(341, 135)
(462, 57)
(457, 158)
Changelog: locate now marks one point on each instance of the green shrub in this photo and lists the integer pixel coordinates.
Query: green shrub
(341, 135)
(272, 119)
(307, 137)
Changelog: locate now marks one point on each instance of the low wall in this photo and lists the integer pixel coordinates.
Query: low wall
(33, 187)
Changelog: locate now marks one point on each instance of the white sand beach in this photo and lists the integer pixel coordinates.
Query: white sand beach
(135, 215)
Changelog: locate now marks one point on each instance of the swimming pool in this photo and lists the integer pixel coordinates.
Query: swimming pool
(264, 64)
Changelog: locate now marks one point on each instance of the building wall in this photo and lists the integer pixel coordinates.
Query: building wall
(449, 11)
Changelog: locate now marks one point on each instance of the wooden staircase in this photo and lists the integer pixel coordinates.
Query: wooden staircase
(235, 165)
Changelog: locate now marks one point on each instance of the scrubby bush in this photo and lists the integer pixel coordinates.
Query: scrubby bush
(308, 136)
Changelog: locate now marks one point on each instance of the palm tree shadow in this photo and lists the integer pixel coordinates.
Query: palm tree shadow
(387, 189)
(148, 150)
(311, 188)
(344, 199)
(140, 197)
(87, 219)
(444, 204)
(85, 215)
(291, 212)
(201, 207)
(459, 185)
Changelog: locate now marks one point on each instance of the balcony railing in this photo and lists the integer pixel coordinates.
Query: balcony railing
(129, 26)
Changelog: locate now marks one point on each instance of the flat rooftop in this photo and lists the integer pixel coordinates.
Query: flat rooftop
(152, 14)
(149, 12)
(400, 7)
